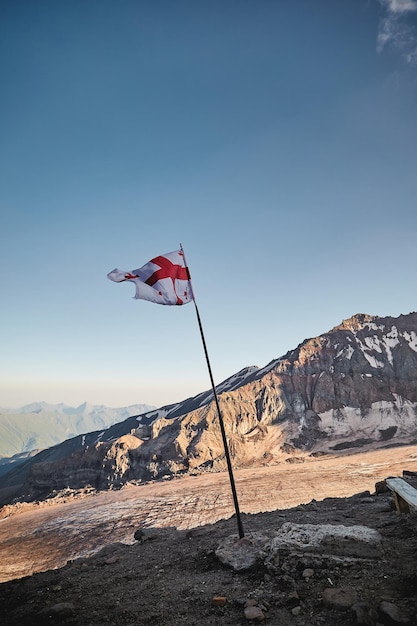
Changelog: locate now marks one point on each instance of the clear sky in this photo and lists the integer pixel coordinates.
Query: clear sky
(275, 139)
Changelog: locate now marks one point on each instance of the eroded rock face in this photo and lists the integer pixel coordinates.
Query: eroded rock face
(348, 388)
(353, 386)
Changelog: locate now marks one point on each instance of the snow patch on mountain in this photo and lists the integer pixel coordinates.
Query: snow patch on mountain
(373, 362)
(154, 415)
(383, 344)
(230, 384)
(397, 417)
(264, 370)
(411, 339)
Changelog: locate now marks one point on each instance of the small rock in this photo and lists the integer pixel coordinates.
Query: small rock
(381, 487)
(286, 583)
(139, 534)
(296, 610)
(308, 572)
(145, 534)
(219, 601)
(365, 614)
(111, 560)
(292, 599)
(254, 613)
(393, 612)
(363, 494)
(242, 554)
(339, 597)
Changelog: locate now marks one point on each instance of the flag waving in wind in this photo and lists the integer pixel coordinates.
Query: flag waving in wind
(164, 280)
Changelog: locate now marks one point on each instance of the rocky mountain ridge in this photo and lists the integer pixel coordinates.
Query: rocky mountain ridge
(352, 387)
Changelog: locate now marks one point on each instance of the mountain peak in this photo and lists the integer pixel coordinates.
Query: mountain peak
(356, 322)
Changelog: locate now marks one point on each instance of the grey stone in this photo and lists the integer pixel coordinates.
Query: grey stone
(339, 540)
(145, 534)
(308, 572)
(254, 613)
(393, 612)
(339, 597)
(365, 614)
(242, 554)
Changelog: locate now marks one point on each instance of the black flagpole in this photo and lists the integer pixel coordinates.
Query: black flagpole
(216, 400)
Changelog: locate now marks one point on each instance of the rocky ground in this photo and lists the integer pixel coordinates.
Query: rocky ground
(168, 577)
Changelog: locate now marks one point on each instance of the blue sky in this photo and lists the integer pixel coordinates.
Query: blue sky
(276, 140)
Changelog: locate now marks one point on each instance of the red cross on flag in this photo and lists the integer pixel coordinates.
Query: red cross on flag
(164, 280)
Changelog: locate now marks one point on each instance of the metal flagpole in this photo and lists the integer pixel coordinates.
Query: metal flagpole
(216, 400)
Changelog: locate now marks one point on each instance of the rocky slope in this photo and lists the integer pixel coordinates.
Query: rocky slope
(352, 387)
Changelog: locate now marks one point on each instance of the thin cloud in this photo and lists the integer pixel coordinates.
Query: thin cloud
(399, 6)
(397, 29)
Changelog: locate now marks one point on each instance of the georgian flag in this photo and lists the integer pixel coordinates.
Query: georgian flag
(164, 280)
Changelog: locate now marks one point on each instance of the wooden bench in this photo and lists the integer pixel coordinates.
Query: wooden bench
(405, 496)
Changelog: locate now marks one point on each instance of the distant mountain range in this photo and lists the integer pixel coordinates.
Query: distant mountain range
(354, 387)
(40, 425)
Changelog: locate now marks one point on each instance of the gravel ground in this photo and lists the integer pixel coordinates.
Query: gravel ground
(172, 577)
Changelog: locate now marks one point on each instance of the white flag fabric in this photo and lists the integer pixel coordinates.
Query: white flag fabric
(164, 280)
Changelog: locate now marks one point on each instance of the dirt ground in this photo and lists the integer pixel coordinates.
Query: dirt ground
(172, 576)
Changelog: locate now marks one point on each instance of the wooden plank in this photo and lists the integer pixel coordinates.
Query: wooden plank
(405, 495)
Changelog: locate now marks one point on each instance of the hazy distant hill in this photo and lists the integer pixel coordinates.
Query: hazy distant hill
(41, 425)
